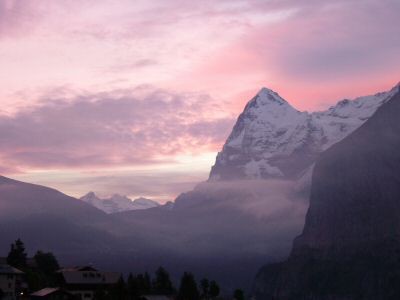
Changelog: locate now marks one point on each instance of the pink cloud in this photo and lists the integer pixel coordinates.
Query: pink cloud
(321, 53)
(308, 51)
(144, 126)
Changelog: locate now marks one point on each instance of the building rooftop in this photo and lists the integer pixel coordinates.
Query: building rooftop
(77, 269)
(45, 292)
(88, 275)
(7, 269)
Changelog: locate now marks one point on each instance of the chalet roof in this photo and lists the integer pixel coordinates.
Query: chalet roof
(77, 269)
(48, 291)
(72, 276)
(45, 292)
(7, 269)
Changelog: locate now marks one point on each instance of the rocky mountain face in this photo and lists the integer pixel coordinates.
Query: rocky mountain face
(271, 139)
(350, 245)
(118, 203)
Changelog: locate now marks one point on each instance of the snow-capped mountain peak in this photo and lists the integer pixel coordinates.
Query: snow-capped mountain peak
(273, 139)
(144, 203)
(267, 96)
(118, 203)
(118, 197)
(90, 198)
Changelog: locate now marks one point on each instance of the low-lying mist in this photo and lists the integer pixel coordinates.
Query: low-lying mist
(223, 230)
(229, 218)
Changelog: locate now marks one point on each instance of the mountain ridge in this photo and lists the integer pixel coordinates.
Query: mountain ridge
(118, 203)
(272, 139)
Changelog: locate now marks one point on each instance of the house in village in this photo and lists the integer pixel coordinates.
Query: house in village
(52, 294)
(11, 283)
(85, 282)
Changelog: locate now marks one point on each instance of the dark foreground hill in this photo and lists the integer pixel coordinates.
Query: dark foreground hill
(350, 245)
(47, 219)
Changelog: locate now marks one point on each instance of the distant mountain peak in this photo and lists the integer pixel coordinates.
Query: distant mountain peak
(118, 203)
(146, 203)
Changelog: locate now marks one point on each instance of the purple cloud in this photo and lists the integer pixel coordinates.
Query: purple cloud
(325, 41)
(117, 128)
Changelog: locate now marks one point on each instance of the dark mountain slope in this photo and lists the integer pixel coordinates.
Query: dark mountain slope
(355, 194)
(350, 245)
(47, 219)
(20, 199)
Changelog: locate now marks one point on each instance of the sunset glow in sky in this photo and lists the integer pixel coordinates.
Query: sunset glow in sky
(136, 97)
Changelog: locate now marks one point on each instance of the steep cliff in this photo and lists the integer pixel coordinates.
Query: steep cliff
(350, 245)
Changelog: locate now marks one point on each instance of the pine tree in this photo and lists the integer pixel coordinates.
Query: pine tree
(162, 284)
(46, 262)
(119, 291)
(143, 284)
(214, 289)
(188, 288)
(147, 283)
(17, 255)
(205, 288)
(132, 286)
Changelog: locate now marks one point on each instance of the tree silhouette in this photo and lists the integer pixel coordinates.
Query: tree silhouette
(17, 255)
(162, 284)
(119, 291)
(214, 289)
(205, 288)
(132, 287)
(147, 282)
(143, 284)
(188, 288)
(46, 262)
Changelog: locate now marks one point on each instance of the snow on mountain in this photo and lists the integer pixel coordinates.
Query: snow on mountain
(273, 139)
(144, 203)
(118, 203)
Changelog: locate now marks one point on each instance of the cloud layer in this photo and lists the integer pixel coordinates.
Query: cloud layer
(123, 128)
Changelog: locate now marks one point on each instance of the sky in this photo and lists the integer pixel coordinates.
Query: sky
(137, 97)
